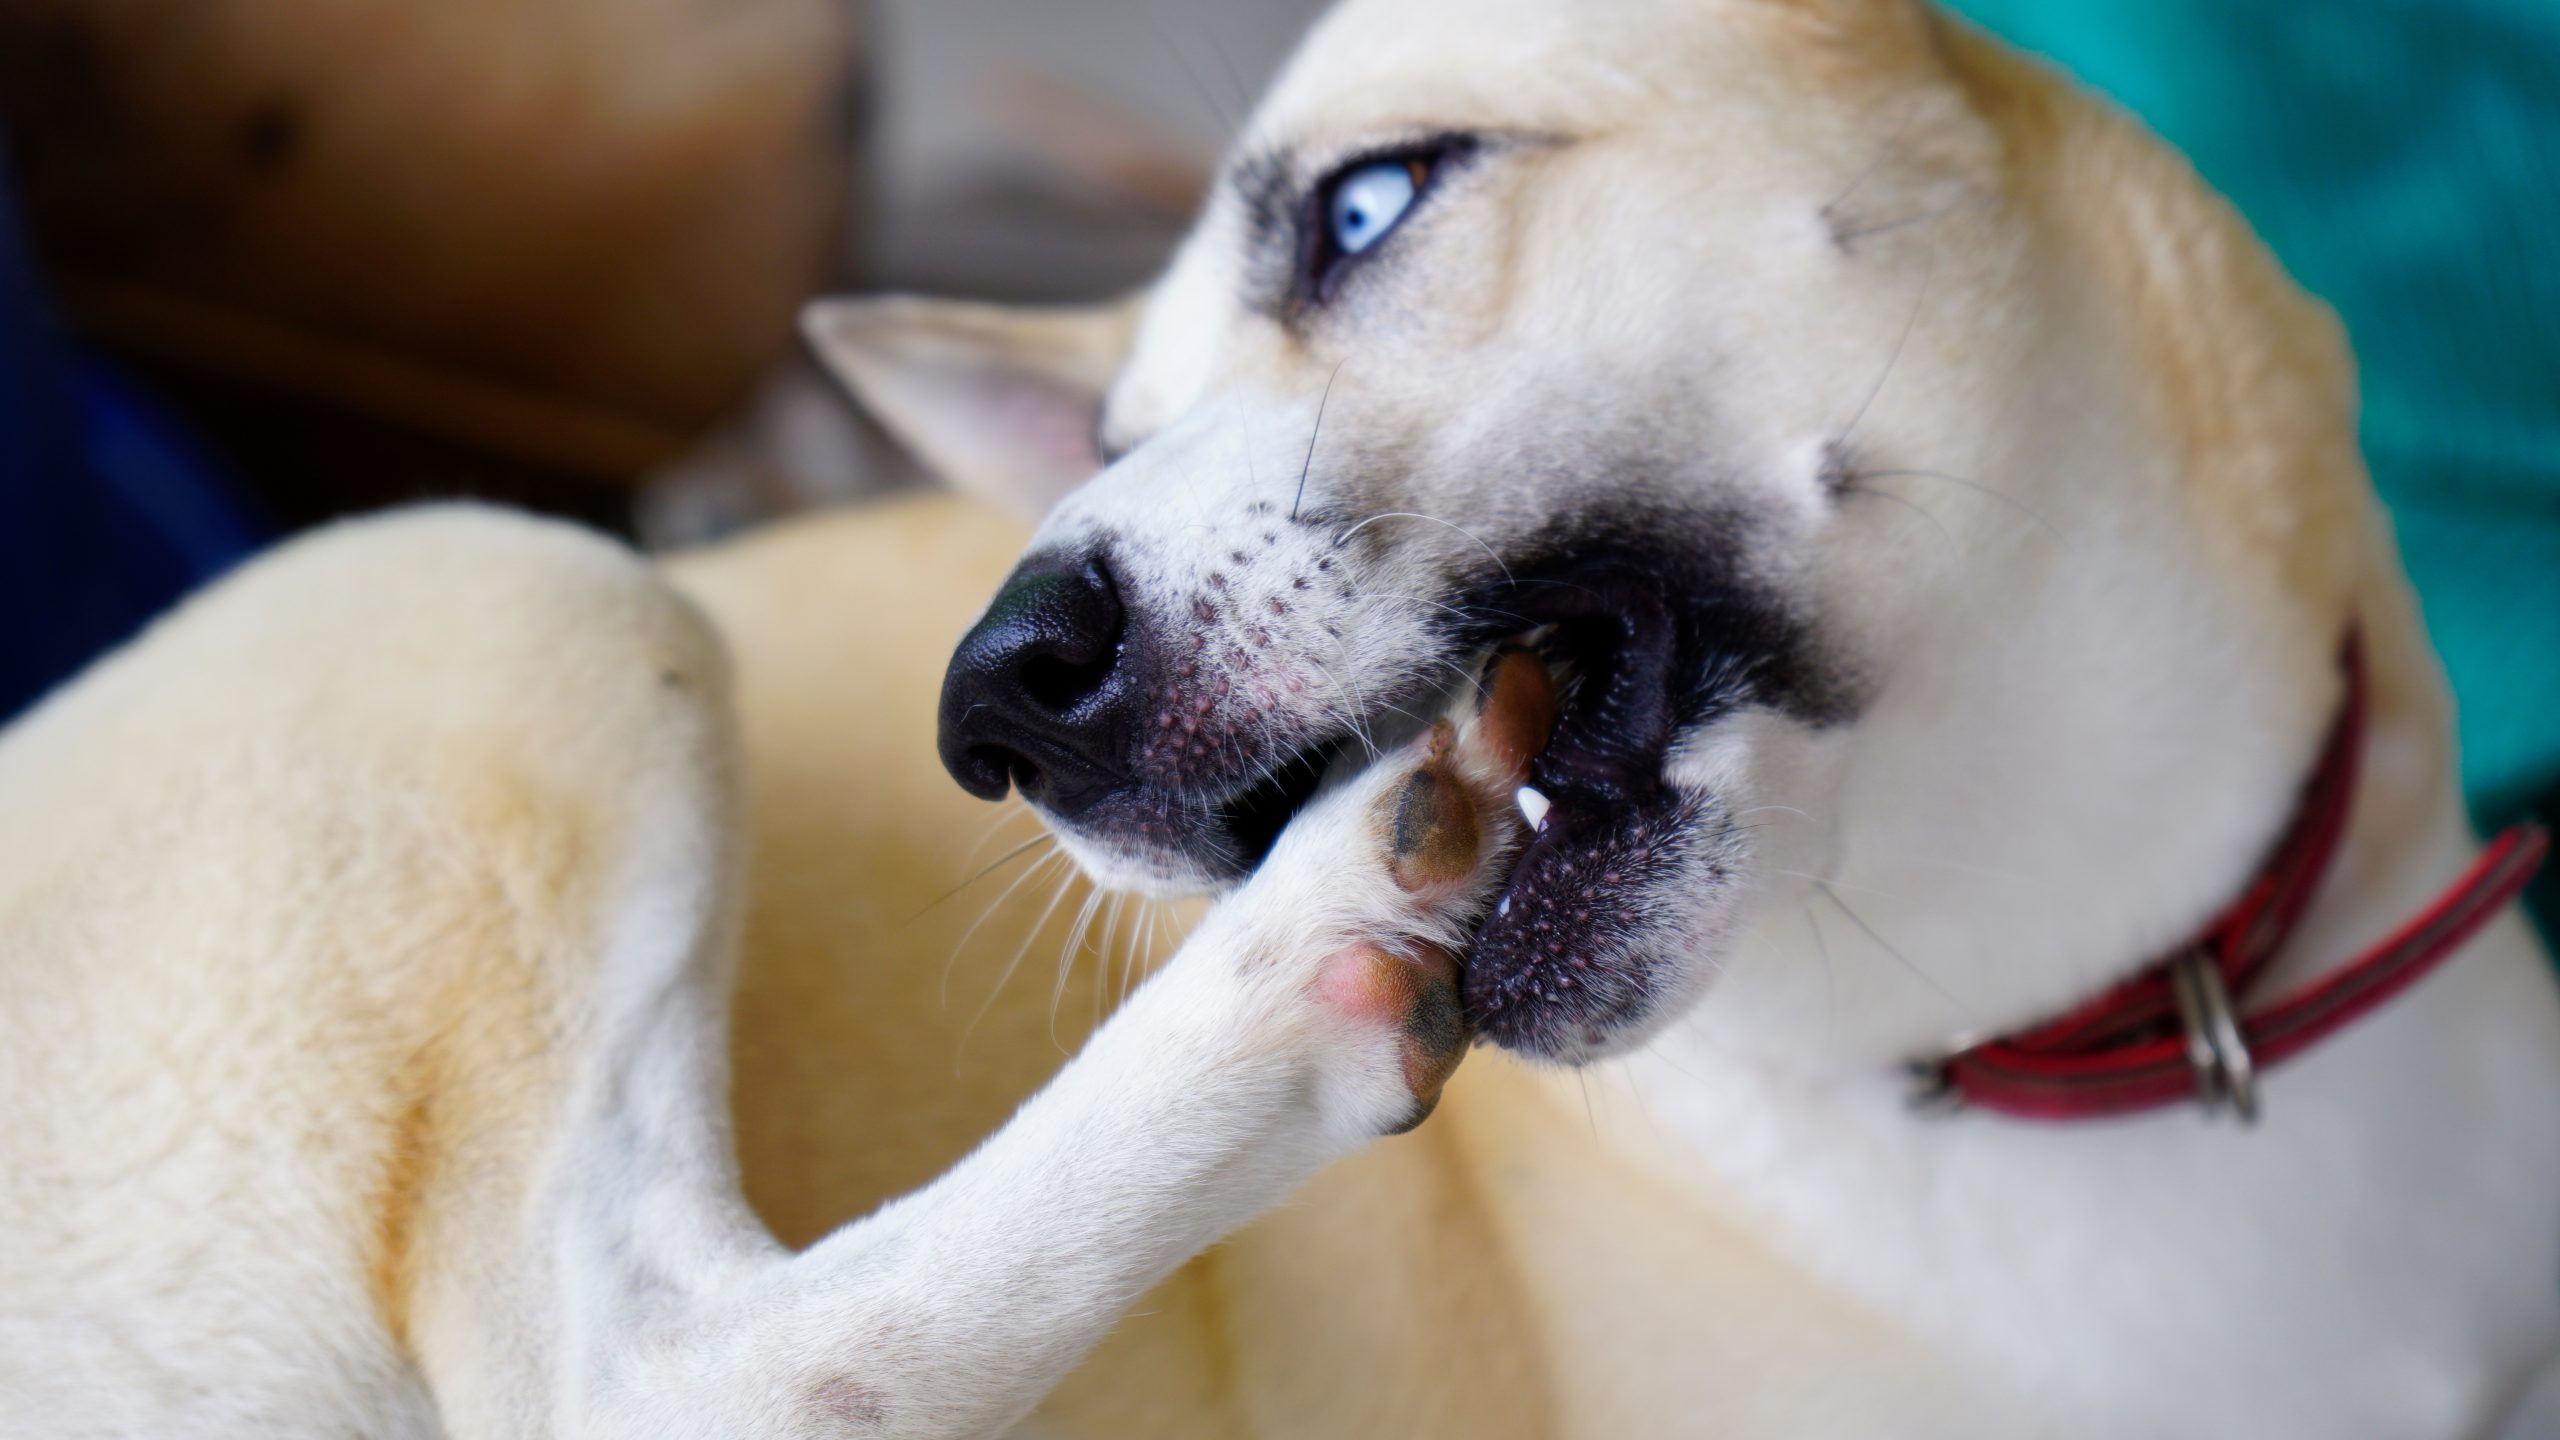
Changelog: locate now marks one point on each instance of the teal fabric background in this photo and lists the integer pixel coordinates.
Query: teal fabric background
(2403, 157)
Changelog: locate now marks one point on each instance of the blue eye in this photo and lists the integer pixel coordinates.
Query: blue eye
(1368, 201)
(1360, 204)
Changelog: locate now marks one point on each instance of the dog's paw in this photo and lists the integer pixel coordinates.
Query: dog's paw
(1366, 904)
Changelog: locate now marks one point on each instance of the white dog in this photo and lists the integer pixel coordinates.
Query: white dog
(1984, 675)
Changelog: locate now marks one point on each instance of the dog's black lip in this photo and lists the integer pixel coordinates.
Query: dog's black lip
(1547, 975)
(1614, 634)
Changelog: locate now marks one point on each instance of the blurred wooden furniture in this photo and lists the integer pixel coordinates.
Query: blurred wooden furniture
(563, 235)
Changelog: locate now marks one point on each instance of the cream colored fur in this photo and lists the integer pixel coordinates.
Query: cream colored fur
(363, 930)
(368, 947)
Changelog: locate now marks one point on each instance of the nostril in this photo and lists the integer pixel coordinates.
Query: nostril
(985, 770)
(1070, 637)
(1055, 683)
(1034, 699)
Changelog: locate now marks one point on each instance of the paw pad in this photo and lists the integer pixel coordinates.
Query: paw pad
(1418, 995)
(1433, 836)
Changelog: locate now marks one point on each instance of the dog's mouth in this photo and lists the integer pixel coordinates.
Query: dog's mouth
(1252, 821)
(1558, 964)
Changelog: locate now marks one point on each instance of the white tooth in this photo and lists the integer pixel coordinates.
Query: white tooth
(1504, 908)
(1533, 807)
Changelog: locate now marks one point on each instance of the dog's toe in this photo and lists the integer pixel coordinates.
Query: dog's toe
(1414, 993)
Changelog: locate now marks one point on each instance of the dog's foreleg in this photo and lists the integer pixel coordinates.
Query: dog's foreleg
(1310, 1014)
(954, 1310)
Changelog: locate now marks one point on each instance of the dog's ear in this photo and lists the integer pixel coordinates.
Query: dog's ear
(1000, 400)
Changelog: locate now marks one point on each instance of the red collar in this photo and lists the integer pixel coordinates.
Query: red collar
(2173, 1032)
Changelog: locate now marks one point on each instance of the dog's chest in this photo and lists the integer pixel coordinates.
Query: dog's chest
(2270, 1280)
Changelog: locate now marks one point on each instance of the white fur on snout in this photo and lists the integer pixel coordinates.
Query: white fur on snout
(1265, 637)
(1258, 634)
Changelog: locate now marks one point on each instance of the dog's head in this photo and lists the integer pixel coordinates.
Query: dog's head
(1791, 373)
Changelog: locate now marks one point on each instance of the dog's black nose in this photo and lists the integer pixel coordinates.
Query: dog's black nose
(1037, 693)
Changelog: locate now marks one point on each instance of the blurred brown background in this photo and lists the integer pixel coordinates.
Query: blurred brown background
(550, 253)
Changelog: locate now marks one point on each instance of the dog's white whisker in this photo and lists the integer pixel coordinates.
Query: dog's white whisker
(1987, 492)
(1767, 809)
(1914, 506)
(1051, 854)
(1066, 881)
(1812, 879)
(1893, 359)
(1120, 949)
(1970, 1014)
(1011, 812)
(1845, 234)
(1323, 402)
(1889, 150)
(1459, 611)
(991, 867)
(1074, 950)
(1344, 538)
(1351, 714)
(1830, 972)
(1106, 956)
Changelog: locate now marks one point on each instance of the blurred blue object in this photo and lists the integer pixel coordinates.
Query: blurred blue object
(2403, 157)
(107, 514)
